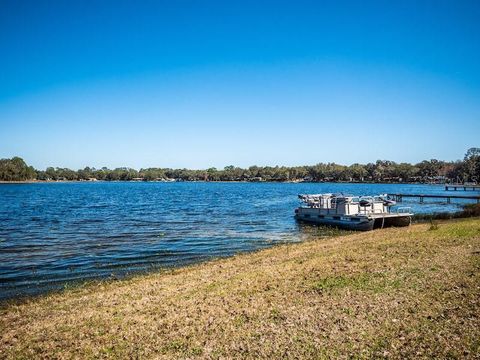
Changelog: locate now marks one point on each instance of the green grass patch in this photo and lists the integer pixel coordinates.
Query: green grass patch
(373, 282)
(179, 346)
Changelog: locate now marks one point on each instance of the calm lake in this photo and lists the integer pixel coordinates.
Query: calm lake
(53, 234)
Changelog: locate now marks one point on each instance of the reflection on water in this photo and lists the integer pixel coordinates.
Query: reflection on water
(51, 234)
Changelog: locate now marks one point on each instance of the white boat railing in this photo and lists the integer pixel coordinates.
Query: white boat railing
(379, 204)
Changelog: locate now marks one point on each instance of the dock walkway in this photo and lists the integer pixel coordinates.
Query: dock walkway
(448, 198)
(462, 187)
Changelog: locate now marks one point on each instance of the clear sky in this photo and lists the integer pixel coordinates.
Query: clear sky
(211, 83)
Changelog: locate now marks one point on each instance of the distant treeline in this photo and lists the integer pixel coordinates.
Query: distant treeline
(468, 169)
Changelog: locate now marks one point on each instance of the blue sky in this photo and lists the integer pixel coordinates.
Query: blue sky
(211, 83)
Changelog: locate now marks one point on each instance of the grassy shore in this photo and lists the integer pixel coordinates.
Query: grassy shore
(395, 293)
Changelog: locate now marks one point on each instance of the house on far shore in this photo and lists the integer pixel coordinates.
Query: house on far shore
(137, 179)
(256, 179)
(92, 179)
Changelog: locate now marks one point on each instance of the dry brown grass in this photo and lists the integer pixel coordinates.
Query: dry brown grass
(396, 293)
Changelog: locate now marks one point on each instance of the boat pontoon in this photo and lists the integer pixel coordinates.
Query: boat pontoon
(352, 212)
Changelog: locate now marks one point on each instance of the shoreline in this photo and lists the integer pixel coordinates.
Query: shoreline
(328, 234)
(372, 293)
(418, 219)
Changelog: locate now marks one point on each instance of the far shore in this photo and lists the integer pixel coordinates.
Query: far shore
(215, 181)
(392, 293)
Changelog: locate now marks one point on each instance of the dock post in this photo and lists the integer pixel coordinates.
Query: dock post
(421, 199)
(448, 200)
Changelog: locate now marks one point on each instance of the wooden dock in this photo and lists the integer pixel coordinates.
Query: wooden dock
(422, 197)
(462, 187)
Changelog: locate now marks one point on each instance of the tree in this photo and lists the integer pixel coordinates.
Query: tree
(428, 169)
(15, 169)
(357, 172)
(472, 164)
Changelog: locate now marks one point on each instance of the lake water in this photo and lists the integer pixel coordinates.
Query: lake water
(53, 234)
